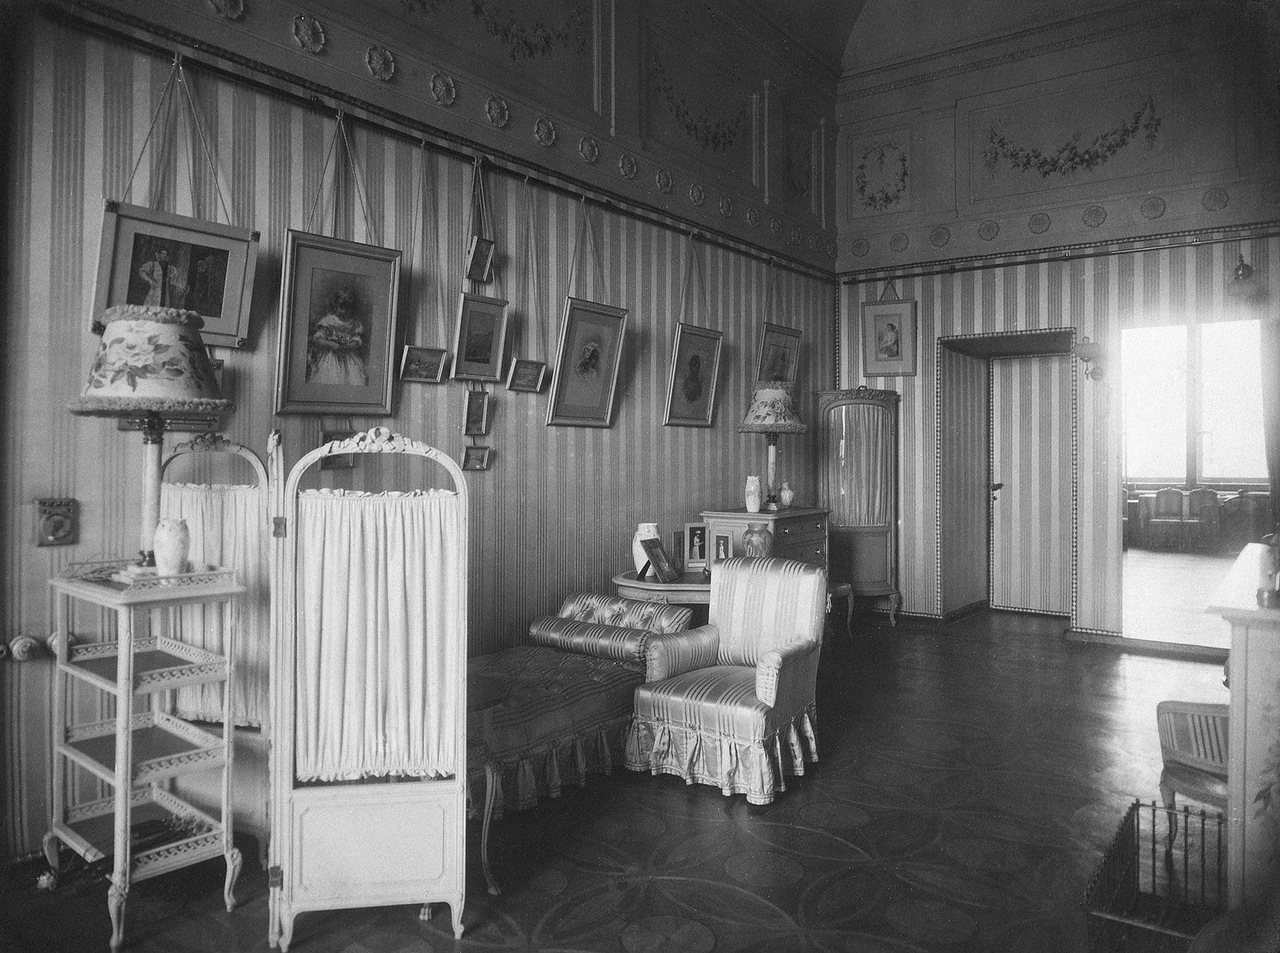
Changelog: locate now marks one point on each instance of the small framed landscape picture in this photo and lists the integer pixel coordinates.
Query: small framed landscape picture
(476, 414)
(779, 357)
(691, 382)
(340, 461)
(423, 364)
(526, 375)
(677, 550)
(481, 339)
(479, 258)
(889, 339)
(695, 545)
(723, 547)
(477, 458)
(155, 258)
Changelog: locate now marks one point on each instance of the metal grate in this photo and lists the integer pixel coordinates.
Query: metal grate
(1162, 879)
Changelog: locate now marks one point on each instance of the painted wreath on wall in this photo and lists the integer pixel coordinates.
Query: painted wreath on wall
(524, 41)
(1070, 156)
(885, 162)
(715, 134)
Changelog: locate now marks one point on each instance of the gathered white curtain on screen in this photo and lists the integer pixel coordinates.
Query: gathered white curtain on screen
(229, 527)
(861, 437)
(380, 609)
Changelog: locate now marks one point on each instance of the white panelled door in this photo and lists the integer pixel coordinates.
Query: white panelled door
(1031, 457)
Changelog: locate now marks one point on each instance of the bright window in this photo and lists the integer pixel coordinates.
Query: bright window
(1210, 431)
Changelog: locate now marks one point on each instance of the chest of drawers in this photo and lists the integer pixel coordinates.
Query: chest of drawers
(799, 532)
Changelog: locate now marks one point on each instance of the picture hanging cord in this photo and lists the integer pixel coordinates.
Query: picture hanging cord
(419, 209)
(584, 222)
(481, 221)
(340, 131)
(531, 259)
(890, 293)
(772, 307)
(176, 72)
(693, 264)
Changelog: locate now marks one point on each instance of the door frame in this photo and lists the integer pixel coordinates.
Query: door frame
(1039, 342)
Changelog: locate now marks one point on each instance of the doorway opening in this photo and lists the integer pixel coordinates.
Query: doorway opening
(1195, 477)
(1007, 474)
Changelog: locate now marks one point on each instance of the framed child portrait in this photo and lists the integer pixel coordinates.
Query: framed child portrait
(889, 339)
(338, 327)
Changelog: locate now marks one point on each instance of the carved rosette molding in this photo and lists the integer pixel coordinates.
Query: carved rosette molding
(443, 89)
(989, 230)
(588, 149)
(940, 236)
(726, 206)
(775, 225)
(753, 217)
(1070, 157)
(1094, 216)
(308, 33)
(627, 165)
(1214, 200)
(697, 195)
(900, 242)
(860, 248)
(381, 63)
(1039, 223)
(544, 130)
(662, 179)
(496, 109)
(1152, 207)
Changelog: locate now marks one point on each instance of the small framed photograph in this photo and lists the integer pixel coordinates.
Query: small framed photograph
(723, 547)
(156, 258)
(691, 383)
(477, 458)
(481, 339)
(889, 339)
(423, 364)
(659, 564)
(526, 375)
(341, 461)
(476, 414)
(779, 353)
(587, 362)
(695, 543)
(338, 327)
(677, 550)
(479, 258)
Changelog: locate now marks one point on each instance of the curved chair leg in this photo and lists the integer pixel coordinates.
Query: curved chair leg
(490, 793)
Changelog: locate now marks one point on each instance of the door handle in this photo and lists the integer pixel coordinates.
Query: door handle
(995, 491)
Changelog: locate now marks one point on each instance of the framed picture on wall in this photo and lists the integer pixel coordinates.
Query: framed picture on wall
(779, 357)
(476, 414)
(889, 339)
(156, 258)
(477, 458)
(339, 461)
(423, 364)
(691, 381)
(338, 327)
(526, 375)
(587, 363)
(479, 258)
(481, 339)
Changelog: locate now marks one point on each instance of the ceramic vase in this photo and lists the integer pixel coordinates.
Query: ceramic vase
(643, 531)
(757, 541)
(786, 495)
(172, 545)
(752, 494)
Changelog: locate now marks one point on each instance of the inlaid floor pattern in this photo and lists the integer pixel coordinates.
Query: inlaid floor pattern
(971, 777)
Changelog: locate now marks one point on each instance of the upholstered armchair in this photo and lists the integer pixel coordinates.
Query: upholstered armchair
(731, 703)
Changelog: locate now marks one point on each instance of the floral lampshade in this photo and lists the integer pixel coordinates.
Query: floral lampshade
(151, 365)
(772, 410)
(151, 360)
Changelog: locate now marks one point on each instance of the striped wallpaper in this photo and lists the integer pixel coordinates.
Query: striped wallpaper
(964, 449)
(557, 510)
(1095, 296)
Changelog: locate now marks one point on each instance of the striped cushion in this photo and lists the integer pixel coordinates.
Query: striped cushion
(759, 605)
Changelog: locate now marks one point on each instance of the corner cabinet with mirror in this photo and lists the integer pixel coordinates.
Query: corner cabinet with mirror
(858, 480)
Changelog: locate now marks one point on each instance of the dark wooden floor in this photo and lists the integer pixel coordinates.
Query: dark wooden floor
(971, 777)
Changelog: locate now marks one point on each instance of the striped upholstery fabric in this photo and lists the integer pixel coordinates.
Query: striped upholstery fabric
(549, 713)
(747, 721)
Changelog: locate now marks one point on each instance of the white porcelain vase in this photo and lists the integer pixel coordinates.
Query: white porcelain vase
(752, 494)
(786, 495)
(643, 531)
(172, 545)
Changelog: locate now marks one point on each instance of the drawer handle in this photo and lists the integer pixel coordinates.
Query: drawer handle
(786, 531)
(818, 525)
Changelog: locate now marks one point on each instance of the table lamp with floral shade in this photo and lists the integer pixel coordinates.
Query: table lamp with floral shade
(151, 368)
(772, 412)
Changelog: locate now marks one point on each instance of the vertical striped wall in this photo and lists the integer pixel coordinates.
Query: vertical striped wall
(557, 510)
(964, 440)
(1031, 456)
(1095, 296)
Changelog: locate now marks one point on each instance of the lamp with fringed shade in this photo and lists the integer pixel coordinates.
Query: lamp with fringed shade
(772, 412)
(151, 368)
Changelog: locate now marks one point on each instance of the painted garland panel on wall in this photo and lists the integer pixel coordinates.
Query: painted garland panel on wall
(557, 508)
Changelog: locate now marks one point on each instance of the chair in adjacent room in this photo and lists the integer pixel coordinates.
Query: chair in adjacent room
(1203, 526)
(1193, 746)
(731, 703)
(1165, 522)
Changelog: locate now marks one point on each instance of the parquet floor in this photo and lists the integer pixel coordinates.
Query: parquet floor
(971, 777)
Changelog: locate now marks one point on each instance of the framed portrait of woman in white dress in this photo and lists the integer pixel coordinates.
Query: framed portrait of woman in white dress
(338, 327)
